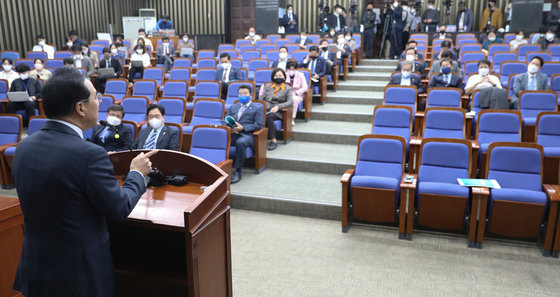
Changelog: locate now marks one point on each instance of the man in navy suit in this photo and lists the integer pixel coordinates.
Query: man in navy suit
(412, 44)
(396, 30)
(157, 135)
(445, 79)
(290, 20)
(227, 73)
(464, 18)
(116, 138)
(303, 41)
(249, 117)
(317, 65)
(282, 59)
(67, 192)
(325, 53)
(405, 78)
(417, 66)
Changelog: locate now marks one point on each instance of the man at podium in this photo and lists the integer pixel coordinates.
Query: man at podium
(67, 192)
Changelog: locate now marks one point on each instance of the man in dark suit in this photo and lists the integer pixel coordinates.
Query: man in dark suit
(67, 192)
(336, 20)
(430, 18)
(165, 53)
(317, 65)
(249, 117)
(396, 29)
(227, 73)
(28, 84)
(116, 138)
(157, 135)
(445, 79)
(412, 44)
(442, 34)
(405, 78)
(282, 59)
(464, 18)
(417, 66)
(532, 80)
(329, 56)
(290, 20)
(303, 41)
(109, 61)
(445, 46)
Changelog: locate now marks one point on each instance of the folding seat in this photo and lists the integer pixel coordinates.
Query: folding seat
(292, 47)
(268, 47)
(205, 112)
(509, 37)
(316, 37)
(3, 90)
(476, 48)
(225, 46)
(305, 105)
(174, 109)
(530, 104)
(548, 135)
(202, 54)
(11, 127)
(135, 108)
(255, 64)
(240, 42)
(281, 42)
(37, 55)
(371, 192)
(393, 120)
(116, 87)
(468, 68)
(500, 57)
(292, 37)
(54, 63)
(507, 68)
(259, 43)
(206, 63)
(106, 101)
(523, 49)
(554, 49)
(83, 71)
(133, 127)
(523, 207)
(465, 41)
(102, 43)
(62, 54)
(262, 76)
(400, 95)
(206, 90)
(550, 69)
(471, 56)
(440, 41)
(416, 36)
(154, 73)
(250, 54)
(444, 97)
(443, 122)
(554, 85)
(246, 47)
(272, 56)
(176, 89)
(14, 55)
(231, 53)
(182, 62)
(203, 74)
(546, 56)
(461, 36)
(180, 73)
(233, 92)
(98, 49)
(494, 48)
(300, 55)
(145, 87)
(236, 63)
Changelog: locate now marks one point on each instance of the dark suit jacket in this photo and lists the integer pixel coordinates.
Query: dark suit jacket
(419, 55)
(437, 81)
(234, 74)
(332, 21)
(252, 118)
(453, 56)
(332, 56)
(398, 24)
(414, 81)
(307, 41)
(33, 87)
(275, 63)
(286, 23)
(320, 67)
(418, 67)
(67, 192)
(115, 64)
(432, 14)
(168, 139)
(467, 20)
(113, 144)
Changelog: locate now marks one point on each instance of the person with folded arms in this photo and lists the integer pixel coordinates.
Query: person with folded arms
(405, 78)
(299, 86)
(482, 79)
(28, 84)
(39, 71)
(277, 96)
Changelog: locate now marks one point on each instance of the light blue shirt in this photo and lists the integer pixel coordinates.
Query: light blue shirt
(405, 81)
(72, 126)
(158, 131)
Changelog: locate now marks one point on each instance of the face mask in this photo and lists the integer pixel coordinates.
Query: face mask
(290, 11)
(166, 44)
(7, 67)
(114, 51)
(406, 74)
(141, 36)
(396, 4)
(244, 99)
(442, 32)
(413, 11)
(549, 36)
(69, 44)
(533, 68)
(113, 120)
(483, 71)
(78, 57)
(410, 58)
(24, 76)
(348, 38)
(291, 72)
(283, 55)
(431, 7)
(325, 48)
(339, 11)
(370, 10)
(519, 37)
(492, 39)
(489, 5)
(340, 40)
(39, 66)
(139, 51)
(85, 51)
(156, 123)
(41, 43)
(225, 65)
(446, 70)
(251, 34)
(278, 80)
(185, 40)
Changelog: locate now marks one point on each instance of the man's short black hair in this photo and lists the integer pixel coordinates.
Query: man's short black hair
(165, 16)
(462, 3)
(9, 61)
(116, 107)
(431, 2)
(73, 33)
(445, 60)
(314, 48)
(106, 50)
(40, 36)
(76, 48)
(165, 38)
(154, 106)
(68, 61)
(323, 40)
(446, 44)
(289, 6)
(485, 62)
(411, 49)
(412, 41)
(246, 87)
(283, 47)
(62, 91)
(446, 54)
(538, 58)
(23, 67)
(225, 55)
(141, 30)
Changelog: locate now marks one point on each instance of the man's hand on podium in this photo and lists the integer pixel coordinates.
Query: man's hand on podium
(142, 163)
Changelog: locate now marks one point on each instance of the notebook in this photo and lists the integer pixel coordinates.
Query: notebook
(18, 96)
(106, 72)
(136, 64)
(186, 51)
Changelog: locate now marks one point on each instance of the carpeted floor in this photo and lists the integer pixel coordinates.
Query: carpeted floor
(276, 255)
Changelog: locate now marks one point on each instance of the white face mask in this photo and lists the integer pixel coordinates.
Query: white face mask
(141, 36)
(185, 40)
(24, 76)
(139, 51)
(303, 37)
(483, 71)
(283, 55)
(69, 44)
(339, 11)
(431, 7)
(549, 36)
(225, 65)
(78, 57)
(410, 58)
(406, 74)
(251, 34)
(156, 123)
(39, 66)
(413, 11)
(492, 39)
(7, 68)
(396, 4)
(519, 37)
(290, 11)
(41, 43)
(114, 51)
(341, 40)
(533, 68)
(348, 38)
(85, 51)
(114, 121)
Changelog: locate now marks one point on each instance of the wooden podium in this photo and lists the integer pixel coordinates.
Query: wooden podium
(11, 241)
(176, 241)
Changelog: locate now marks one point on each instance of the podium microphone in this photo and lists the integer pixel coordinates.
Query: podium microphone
(112, 128)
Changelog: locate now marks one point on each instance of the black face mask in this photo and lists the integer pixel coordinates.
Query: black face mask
(489, 5)
(278, 81)
(442, 32)
(370, 10)
(325, 48)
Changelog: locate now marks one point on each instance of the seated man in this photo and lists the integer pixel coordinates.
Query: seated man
(417, 66)
(549, 38)
(532, 80)
(492, 39)
(482, 80)
(436, 65)
(227, 73)
(282, 59)
(303, 41)
(442, 34)
(343, 51)
(25, 84)
(325, 53)
(68, 62)
(253, 37)
(249, 118)
(445, 79)
(108, 61)
(142, 34)
(445, 46)
(116, 138)
(165, 54)
(405, 78)
(81, 61)
(157, 135)
(317, 65)
(412, 44)
(42, 46)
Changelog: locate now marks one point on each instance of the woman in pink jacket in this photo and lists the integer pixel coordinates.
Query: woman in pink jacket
(299, 85)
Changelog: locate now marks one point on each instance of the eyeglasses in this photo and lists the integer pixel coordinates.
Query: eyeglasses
(99, 97)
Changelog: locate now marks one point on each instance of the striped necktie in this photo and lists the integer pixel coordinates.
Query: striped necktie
(151, 143)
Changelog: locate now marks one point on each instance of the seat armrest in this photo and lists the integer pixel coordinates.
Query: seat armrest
(409, 185)
(480, 191)
(475, 144)
(552, 192)
(345, 178)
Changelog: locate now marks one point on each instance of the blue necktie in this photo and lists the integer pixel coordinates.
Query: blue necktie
(532, 83)
(151, 143)
(104, 134)
(313, 66)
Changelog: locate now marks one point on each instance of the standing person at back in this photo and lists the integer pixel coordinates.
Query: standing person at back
(369, 24)
(492, 16)
(290, 20)
(68, 191)
(430, 18)
(532, 80)
(465, 18)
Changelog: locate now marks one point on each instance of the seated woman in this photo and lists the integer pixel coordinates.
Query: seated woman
(299, 86)
(185, 43)
(277, 96)
(39, 72)
(519, 40)
(140, 54)
(25, 84)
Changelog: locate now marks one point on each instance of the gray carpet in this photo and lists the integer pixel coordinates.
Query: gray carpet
(276, 255)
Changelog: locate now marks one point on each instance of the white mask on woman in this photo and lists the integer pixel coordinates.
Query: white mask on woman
(519, 37)
(114, 51)
(39, 66)
(7, 68)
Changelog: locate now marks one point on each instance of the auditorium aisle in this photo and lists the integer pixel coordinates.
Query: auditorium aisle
(302, 177)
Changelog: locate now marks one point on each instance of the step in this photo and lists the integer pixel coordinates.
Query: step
(343, 112)
(366, 86)
(313, 157)
(374, 69)
(379, 62)
(330, 132)
(355, 97)
(380, 76)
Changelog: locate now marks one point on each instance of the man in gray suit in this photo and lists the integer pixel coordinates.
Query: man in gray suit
(81, 61)
(532, 80)
(165, 54)
(248, 117)
(436, 65)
